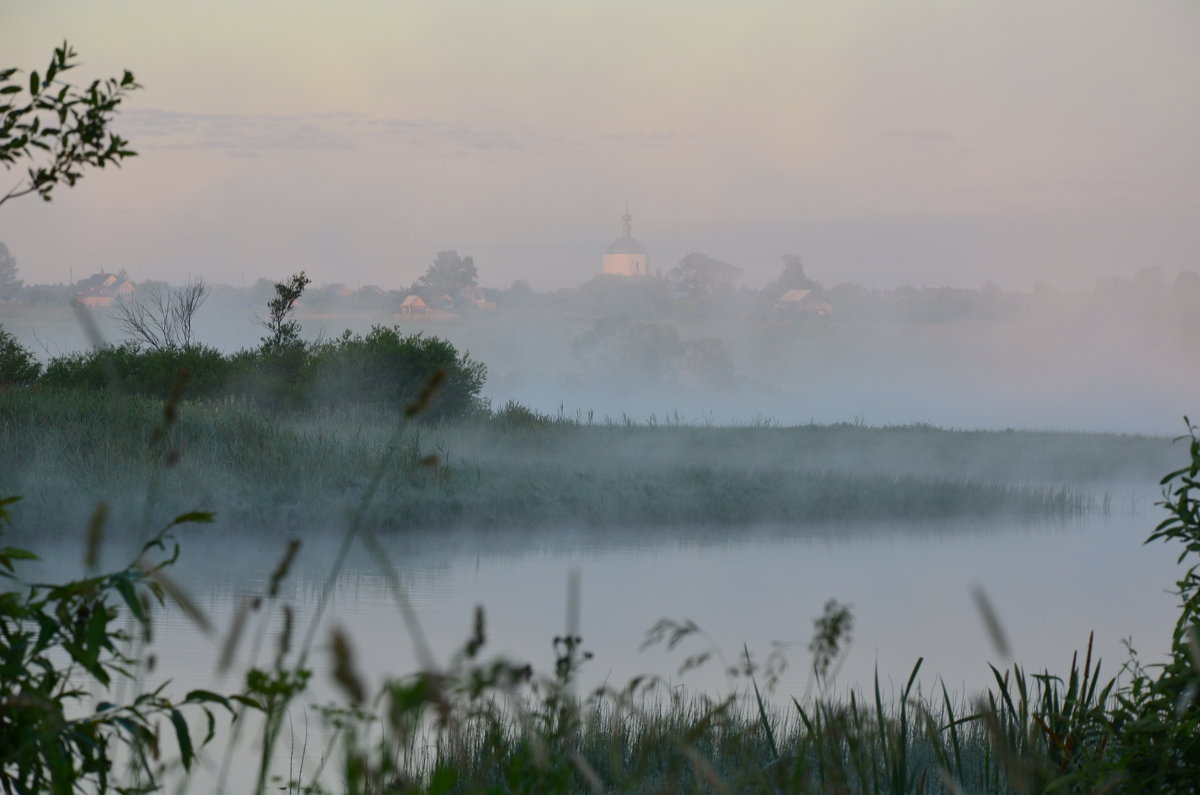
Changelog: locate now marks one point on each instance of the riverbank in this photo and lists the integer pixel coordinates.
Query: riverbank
(66, 450)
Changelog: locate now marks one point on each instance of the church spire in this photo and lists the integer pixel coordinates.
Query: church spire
(626, 218)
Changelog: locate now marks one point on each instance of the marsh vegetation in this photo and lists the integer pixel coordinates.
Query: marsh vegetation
(386, 434)
(66, 449)
(387, 462)
(480, 723)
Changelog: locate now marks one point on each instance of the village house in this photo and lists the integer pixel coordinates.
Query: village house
(413, 305)
(796, 304)
(101, 289)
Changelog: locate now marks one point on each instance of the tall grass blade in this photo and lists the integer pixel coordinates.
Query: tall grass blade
(764, 721)
(991, 622)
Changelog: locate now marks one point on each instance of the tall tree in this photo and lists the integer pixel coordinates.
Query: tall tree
(162, 316)
(700, 277)
(448, 274)
(793, 276)
(283, 330)
(9, 283)
(59, 129)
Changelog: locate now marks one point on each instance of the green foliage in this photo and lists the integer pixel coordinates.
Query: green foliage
(517, 418)
(447, 275)
(639, 297)
(18, 367)
(389, 368)
(67, 448)
(1156, 720)
(61, 129)
(273, 378)
(628, 350)
(51, 295)
(636, 354)
(496, 725)
(283, 331)
(148, 372)
(700, 280)
(384, 368)
(57, 642)
(9, 283)
(830, 638)
(793, 276)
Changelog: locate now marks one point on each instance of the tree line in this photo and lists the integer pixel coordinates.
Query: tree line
(384, 367)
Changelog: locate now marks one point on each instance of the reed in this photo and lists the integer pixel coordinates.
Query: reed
(483, 724)
(66, 450)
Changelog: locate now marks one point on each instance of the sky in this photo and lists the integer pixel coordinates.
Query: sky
(931, 142)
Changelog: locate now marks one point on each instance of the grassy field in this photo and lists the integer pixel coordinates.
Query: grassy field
(65, 450)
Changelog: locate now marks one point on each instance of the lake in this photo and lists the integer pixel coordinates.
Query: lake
(910, 587)
(909, 584)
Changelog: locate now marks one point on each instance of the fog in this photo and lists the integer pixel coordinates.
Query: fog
(903, 308)
(1112, 358)
(996, 200)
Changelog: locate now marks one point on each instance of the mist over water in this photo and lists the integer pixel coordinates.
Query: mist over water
(909, 584)
(1112, 358)
(911, 315)
(684, 425)
(755, 589)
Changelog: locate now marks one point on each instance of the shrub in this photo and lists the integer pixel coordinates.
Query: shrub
(383, 368)
(17, 365)
(388, 368)
(272, 378)
(55, 641)
(150, 372)
(514, 416)
(1157, 718)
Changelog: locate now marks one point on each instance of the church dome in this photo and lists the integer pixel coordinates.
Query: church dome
(625, 257)
(625, 245)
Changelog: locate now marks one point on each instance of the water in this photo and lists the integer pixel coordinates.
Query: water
(909, 585)
(760, 588)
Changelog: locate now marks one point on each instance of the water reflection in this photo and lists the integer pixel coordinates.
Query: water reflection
(909, 584)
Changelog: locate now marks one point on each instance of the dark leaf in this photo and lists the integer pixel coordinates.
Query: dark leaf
(184, 737)
(129, 594)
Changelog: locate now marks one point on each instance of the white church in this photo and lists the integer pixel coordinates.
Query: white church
(625, 257)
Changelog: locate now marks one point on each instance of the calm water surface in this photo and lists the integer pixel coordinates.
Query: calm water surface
(909, 585)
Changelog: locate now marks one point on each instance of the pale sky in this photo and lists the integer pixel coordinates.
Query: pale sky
(930, 142)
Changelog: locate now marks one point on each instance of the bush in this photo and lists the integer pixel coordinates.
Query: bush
(384, 368)
(388, 368)
(149, 372)
(58, 643)
(514, 416)
(272, 378)
(17, 365)
(1156, 719)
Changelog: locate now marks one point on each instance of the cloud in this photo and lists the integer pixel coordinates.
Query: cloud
(232, 133)
(455, 137)
(247, 135)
